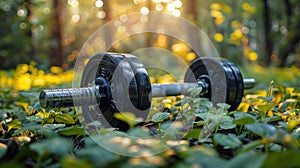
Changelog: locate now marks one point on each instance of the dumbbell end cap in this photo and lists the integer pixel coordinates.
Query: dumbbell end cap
(42, 99)
(249, 83)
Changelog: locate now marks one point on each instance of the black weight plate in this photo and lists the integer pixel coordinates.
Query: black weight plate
(232, 85)
(142, 100)
(221, 78)
(239, 89)
(119, 75)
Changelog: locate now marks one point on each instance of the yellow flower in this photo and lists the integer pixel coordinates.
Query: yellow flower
(219, 37)
(236, 36)
(226, 8)
(219, 20)
(215, 6)
(22, 82)
(180, 49)
(216, 14)
(190, 56)
(22, 68)
(168, 78)
(55, 69)
(235, 24)
(246, 6)
(252, 56)
(39, 81)
(152, 79)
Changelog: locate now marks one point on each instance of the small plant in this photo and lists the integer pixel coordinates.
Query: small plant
(260, 133)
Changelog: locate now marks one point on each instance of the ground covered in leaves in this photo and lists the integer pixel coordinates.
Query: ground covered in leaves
(263, 132)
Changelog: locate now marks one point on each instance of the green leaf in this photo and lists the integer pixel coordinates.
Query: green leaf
(3, 149)
(195, 91)
(139, 132)
(272, 119)
(223, 106)
(57, 145)
(160, 117)
(192, 134)
(201, 157)
(226, 122)
(128, 117)
(49, 120)
(14, 124)
(54, 126)
(99, 157)
(283, 159)
(71, 161)
(247, 160)
(3, 114)
(266, 99)
(264, 108)
(202, 105)
(251, 145)
(243, 118)
(71, 131)
(37, 107)
(64, 118)
(112, 143)
(229, 140)
(203, 116)
(210, 124)
(43, 114)
(264, 130)
(32, 126)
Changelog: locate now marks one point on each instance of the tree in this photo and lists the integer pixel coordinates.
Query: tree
(292, 9)
(16, 33)
(267, 32)
(29, 8)
(107, 18)
(281, 28)
(56, 52)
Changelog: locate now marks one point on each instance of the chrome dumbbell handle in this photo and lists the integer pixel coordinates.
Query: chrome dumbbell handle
(174, 89)
(99, 94)
(68, 97)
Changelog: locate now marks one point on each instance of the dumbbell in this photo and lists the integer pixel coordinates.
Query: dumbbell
(114, 82)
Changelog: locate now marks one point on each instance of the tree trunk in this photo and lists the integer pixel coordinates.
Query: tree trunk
(190, 13)
(292, 42)
(190, 10)
(288, 9)
(149, 36)
(29, 6)
(287, 49)
(108, 32)
(56, 35)
(267, 35)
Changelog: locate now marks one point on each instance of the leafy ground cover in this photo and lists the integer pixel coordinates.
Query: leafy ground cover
(263, 132)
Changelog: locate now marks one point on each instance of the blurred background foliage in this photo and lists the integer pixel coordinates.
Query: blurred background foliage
(255, 35)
